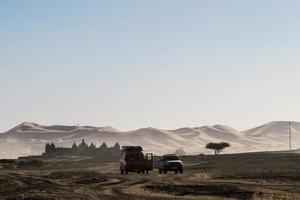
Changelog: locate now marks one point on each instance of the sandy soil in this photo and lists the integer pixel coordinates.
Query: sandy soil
(103, 181)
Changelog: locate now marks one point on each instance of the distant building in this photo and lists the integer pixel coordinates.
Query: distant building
(82, 150)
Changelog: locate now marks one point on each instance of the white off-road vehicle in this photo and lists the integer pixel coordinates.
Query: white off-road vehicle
(169, 162)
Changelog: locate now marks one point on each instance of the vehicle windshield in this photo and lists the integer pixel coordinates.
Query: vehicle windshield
(170, 158)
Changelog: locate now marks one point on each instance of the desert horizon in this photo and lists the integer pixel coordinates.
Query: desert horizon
(30, 138)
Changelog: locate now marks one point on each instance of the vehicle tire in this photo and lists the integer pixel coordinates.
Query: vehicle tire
(181, 171)
(122, 171)
(176, 171)
(165, 171)
(160, 171)
(126, 172)
(139, 172)
(147, 171)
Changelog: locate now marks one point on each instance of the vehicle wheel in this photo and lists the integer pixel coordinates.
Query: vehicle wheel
(147, 171)
(176, 172)
(160, 171)
(122, 172)
(126, 172)
(181, 171)
(139, 172)
(165, 171)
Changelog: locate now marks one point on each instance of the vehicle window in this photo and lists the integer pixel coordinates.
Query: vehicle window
(170, 158)
(134, 156)
(148, 157)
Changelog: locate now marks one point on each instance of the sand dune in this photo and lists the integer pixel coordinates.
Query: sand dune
(275, 135)
(30, 138)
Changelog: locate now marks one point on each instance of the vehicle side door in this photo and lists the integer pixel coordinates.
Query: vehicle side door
(149, 161)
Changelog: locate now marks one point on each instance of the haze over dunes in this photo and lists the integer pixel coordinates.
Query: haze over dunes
(30, 138)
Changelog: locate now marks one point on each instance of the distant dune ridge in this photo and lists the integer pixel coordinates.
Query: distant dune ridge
(30, 138)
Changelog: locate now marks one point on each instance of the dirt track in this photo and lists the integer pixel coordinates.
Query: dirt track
(105, 182)
(201, 180)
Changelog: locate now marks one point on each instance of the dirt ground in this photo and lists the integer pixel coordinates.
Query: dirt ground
(244, 176)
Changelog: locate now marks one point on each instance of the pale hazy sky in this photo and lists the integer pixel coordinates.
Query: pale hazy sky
(165, 64)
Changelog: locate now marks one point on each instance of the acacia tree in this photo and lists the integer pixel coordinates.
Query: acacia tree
(217, 147)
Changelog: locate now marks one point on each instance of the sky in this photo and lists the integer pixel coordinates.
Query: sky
(164, 64)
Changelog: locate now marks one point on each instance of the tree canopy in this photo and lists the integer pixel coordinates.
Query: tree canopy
(217, 147)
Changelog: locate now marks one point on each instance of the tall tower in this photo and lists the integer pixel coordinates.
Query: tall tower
(290, 136)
